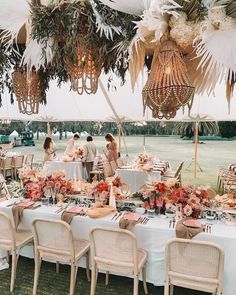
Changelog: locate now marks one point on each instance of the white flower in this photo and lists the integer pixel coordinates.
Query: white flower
(188, 210)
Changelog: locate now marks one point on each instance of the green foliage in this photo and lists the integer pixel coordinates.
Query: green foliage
(65, 22)
(227, 129)
(188, 128)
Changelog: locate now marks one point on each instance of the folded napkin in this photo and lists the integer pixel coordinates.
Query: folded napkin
(17, 213)
(129, 220)
(67, 216)
(100, 212)
(186, 232)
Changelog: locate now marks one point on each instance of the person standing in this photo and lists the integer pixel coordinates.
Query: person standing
(49, 149)
(70, 149)
(90, 152)
(112, 154)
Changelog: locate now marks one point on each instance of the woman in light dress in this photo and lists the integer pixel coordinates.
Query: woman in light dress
(112, 149)
(49, 149)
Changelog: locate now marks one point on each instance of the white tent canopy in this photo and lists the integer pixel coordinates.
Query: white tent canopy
(66, 105)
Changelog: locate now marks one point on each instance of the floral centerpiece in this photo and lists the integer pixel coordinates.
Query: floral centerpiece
(35, 185)
(186, 201)
(101, 189)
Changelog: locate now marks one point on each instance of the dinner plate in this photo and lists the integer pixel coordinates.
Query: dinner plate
(25, 204)
(192, 223)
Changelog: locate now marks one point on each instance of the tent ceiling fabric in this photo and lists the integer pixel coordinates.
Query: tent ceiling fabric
(66, 105)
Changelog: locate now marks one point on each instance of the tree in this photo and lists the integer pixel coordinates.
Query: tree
(188, 128)
(227, 129)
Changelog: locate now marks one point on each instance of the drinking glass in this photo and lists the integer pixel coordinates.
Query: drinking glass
(45, 201)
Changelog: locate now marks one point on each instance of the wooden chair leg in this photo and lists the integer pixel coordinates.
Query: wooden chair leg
(107, 278)
(93, 280)
(171, 289)
(72, 278)
(57, 267)
(87, 267)
(144, 280)
(37, 266)
(167, 288)
(136, 282)
(13, 271)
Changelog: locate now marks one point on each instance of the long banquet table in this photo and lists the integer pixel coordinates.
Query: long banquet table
(73, 170)
(152, 237)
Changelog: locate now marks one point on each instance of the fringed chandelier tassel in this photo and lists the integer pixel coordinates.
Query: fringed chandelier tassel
(168, 87)
(27, 89)
(85, 73)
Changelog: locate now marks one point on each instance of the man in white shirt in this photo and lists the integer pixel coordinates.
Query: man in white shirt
(70, 149)
(90, 152)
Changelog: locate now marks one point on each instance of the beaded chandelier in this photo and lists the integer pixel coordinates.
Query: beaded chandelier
(27, 89)
(85, 72)
(168, 87)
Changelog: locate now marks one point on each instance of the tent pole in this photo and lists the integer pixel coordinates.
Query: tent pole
(49, 129)
(120, 136)
(195, 149)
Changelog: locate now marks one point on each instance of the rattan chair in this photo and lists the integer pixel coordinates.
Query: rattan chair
(115, 250)
(6, 166)
(29, 160)
(12, 241)
(4, 193)
(194, 265)
(120, 162)
(53, 241)
(17, 163)
(107, 170)
(113, 166)
(174, 174)
(98, 171)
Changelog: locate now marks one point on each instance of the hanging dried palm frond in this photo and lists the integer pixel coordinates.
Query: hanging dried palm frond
(27, 90)
(85, 72)
(230, 88)
(168, 87)
(203, 81)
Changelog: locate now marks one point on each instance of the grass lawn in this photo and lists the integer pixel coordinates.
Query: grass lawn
(51, 283)
(211, 154)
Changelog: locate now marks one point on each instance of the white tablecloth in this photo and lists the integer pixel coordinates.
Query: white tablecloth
(72, 169)
(151, 237)
(136, 178)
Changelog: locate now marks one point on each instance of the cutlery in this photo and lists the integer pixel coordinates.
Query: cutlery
(114, 215)
(143, 221)
(61, 210)
(146, 220)
(119, 215)
(9, 205)
(170, 223)
(173, 223)
(35, 207)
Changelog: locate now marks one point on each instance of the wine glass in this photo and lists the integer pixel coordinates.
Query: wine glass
(124, 189)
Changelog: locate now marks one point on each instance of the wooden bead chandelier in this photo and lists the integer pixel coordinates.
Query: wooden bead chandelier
(168, 87)
(85, 72)
(27, 89)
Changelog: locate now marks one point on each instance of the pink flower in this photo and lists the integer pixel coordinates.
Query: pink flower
(63, 190)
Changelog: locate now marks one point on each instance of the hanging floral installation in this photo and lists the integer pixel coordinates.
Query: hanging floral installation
(75, 40)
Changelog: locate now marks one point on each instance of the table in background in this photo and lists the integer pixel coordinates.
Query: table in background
(136, 178)
(73, 170)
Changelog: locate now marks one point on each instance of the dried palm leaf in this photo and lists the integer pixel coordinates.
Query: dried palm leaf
(136, 63)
